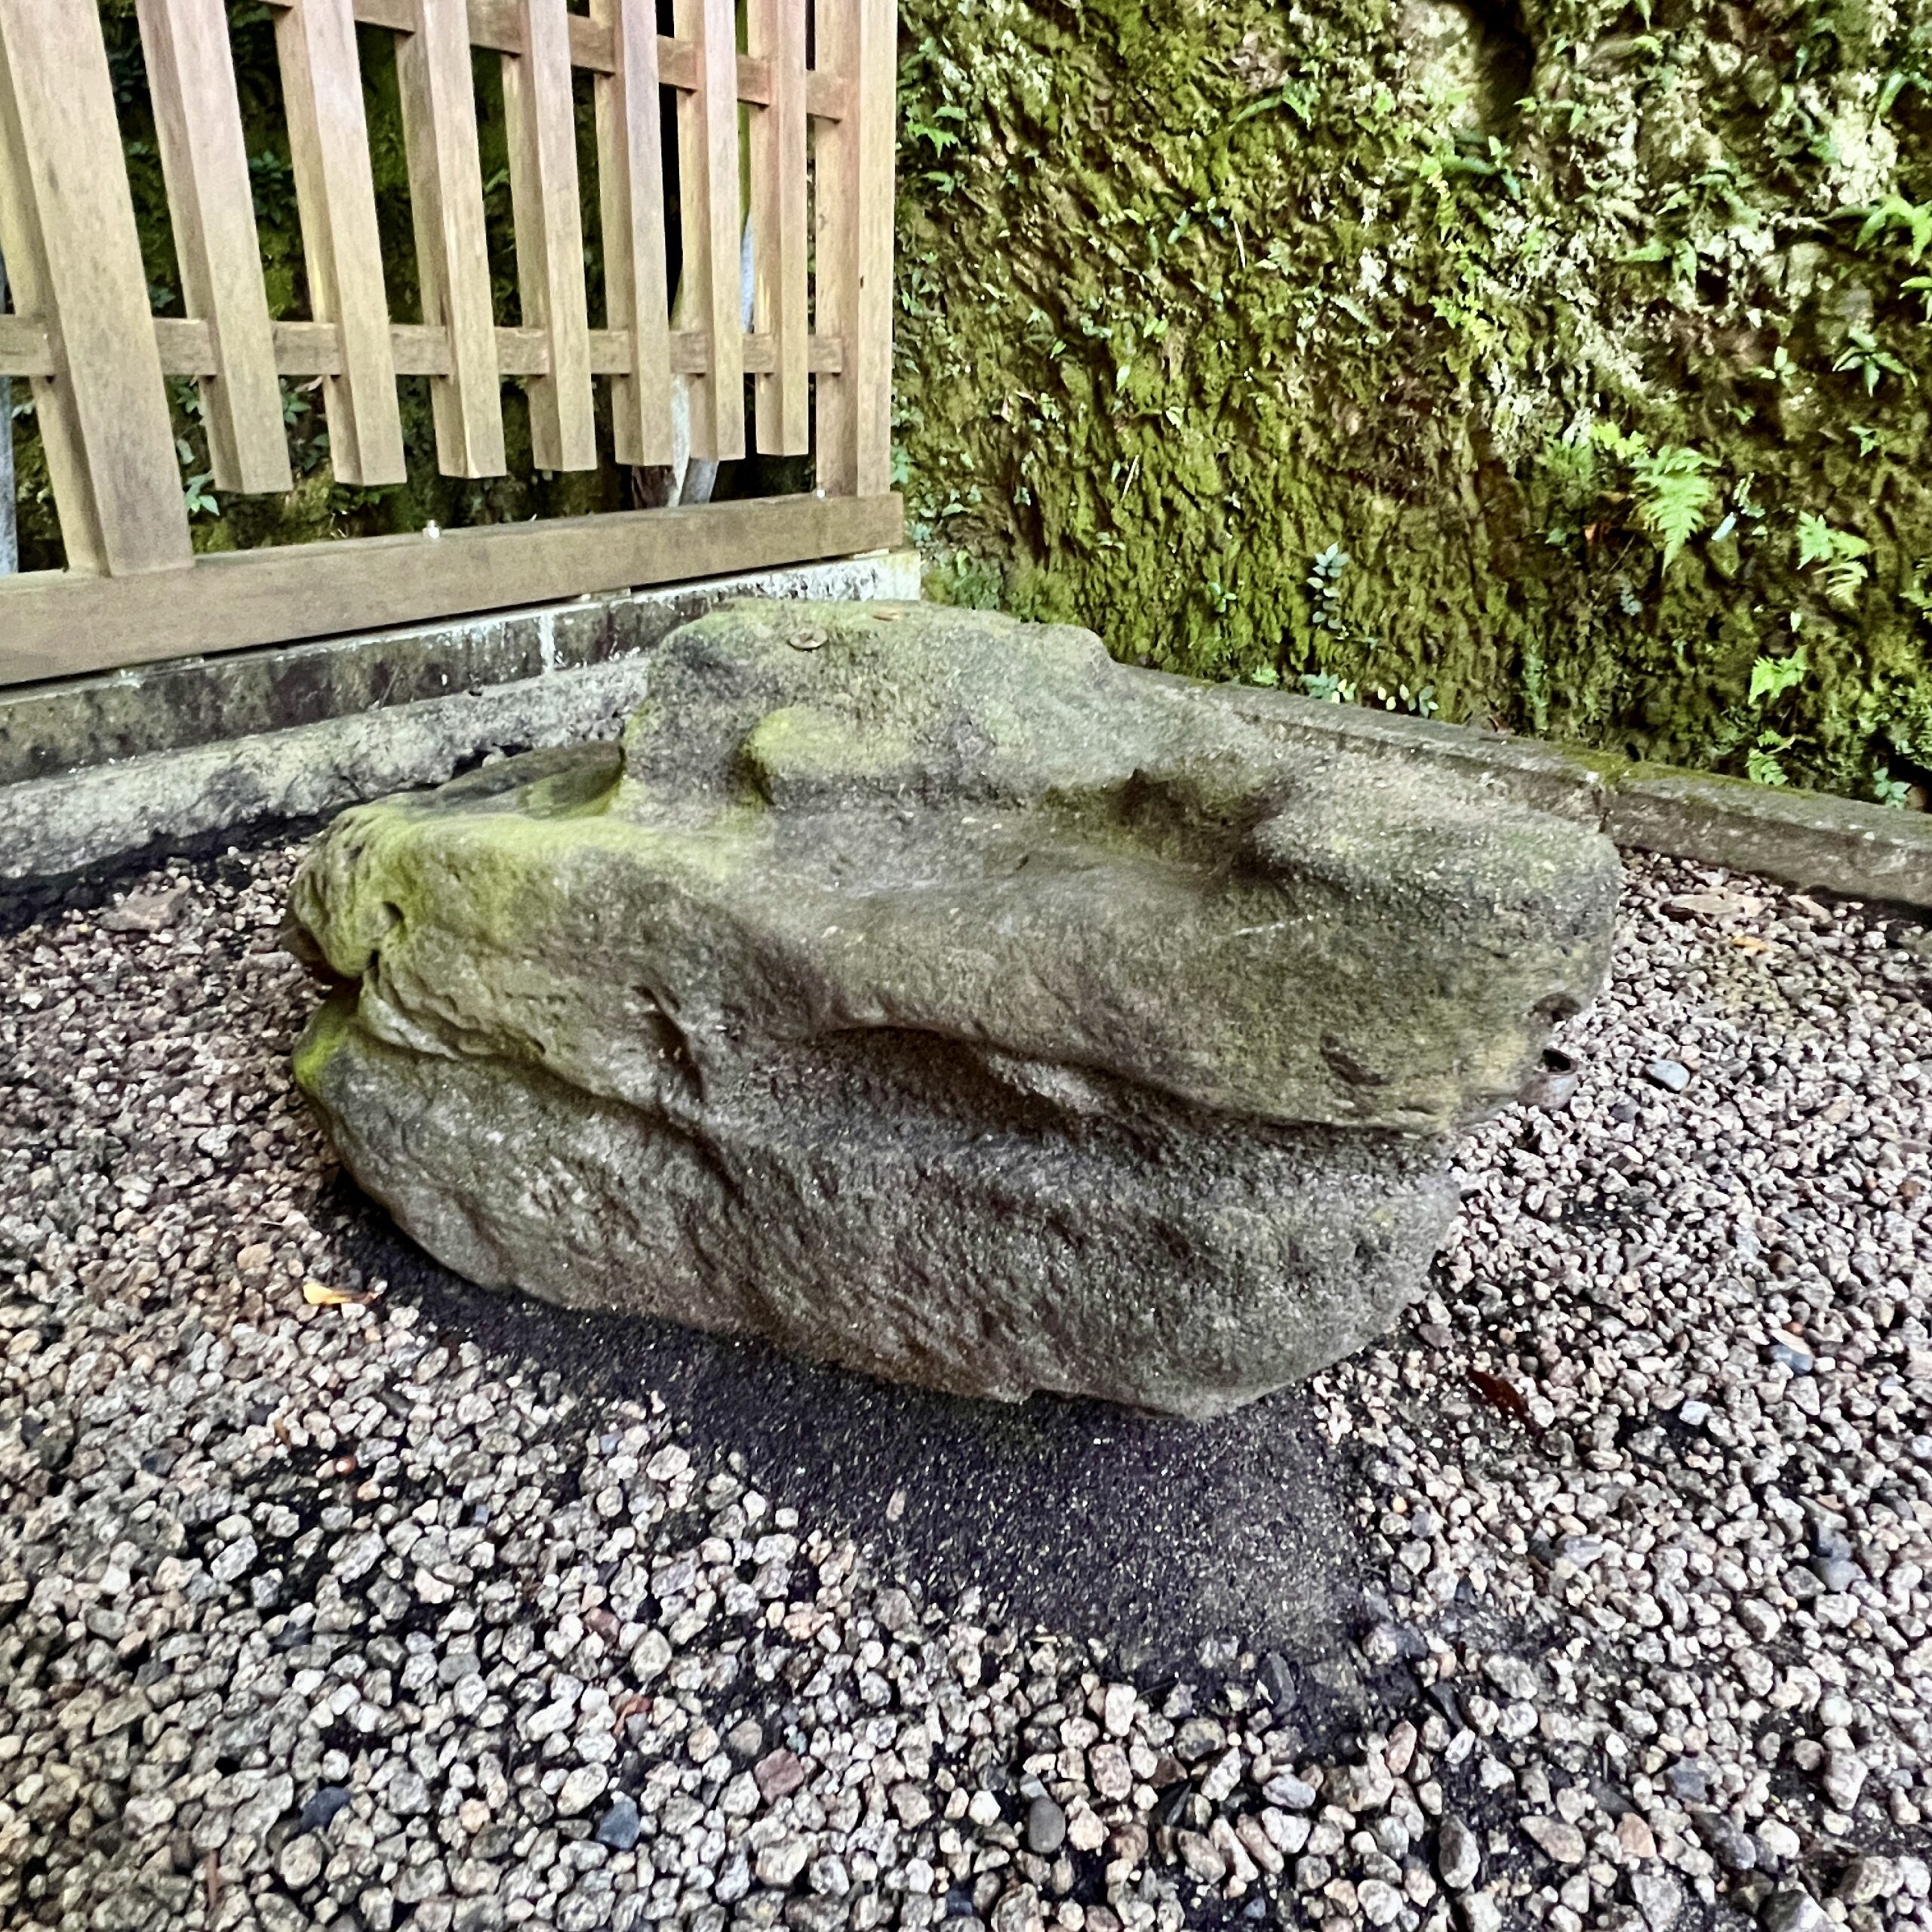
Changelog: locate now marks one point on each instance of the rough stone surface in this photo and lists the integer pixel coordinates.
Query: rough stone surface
(46, 729)
(926, 992)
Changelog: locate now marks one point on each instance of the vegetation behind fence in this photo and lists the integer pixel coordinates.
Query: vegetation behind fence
(634, 163)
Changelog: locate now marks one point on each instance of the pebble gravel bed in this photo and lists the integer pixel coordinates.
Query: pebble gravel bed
(316, 1611)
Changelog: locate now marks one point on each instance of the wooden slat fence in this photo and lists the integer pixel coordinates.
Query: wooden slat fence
(819, 345)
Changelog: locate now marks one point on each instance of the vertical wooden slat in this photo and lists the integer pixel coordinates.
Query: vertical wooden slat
(335, 195)
(776, 32)
(446, 201)
(10, 534)
(630, 181)
(197, 116)
(67, 228)
(854, 190)
(549, 234)
(709, 223)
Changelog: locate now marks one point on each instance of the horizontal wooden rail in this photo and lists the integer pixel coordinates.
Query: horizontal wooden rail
(497, 25)
(314, 349)
(55, 624)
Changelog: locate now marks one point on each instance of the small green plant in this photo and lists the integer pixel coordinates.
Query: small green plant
(1896, 212)
(1325, 584)
(1762, 765)
(200, 500)
(970, 582)
(1911, 70)
(1840, 554)
(1419, 702)
(1890, 791)
(1861, 356)
(1673, 491)
(1329, 688)
(1772, 677)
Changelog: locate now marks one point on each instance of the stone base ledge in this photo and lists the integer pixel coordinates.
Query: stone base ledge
(1808, 839)
(301, 731)
(164, 756)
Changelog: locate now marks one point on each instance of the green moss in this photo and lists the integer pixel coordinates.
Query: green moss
(804, 747)
(331, 1022)
(1189, 294)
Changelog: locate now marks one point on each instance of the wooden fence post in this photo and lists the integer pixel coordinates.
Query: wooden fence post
(549, 234)
(630, 184)
(853, 186)
(438, 94)
(775, 32)
(67, 228)
(198, 114)
(335, 195)
(710, 224)
(10, 538)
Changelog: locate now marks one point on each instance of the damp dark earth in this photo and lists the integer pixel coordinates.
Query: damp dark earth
(335, 1592)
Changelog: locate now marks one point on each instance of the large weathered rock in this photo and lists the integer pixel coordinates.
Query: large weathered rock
(925, 991)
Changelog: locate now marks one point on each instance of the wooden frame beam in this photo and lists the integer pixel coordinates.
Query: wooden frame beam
(314, 349)
(498, 26)
(58, 624)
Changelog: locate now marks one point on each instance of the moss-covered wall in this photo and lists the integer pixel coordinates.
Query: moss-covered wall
(1586, 348)
(1561, 368)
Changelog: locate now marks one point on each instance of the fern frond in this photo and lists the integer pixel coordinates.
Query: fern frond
(1674, 492)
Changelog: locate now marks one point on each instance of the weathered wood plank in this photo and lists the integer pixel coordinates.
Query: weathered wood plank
(314, 349)
(67, 230)
(827, 96)
(549, 234)
(25, 348)
(438, 95)
(497, 25)
(328, 143)
(710, 300)
(630, 181)
(53, 624)
(853, 189)
(205, 161)
(776, 33)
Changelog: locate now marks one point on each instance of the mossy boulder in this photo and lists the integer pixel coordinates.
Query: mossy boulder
(925, 991)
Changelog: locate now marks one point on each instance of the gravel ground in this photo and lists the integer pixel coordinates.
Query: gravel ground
(1598, 1596)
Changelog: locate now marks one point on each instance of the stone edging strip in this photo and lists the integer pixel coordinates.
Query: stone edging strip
(169, 798)
(1807, 839)
(52, 826)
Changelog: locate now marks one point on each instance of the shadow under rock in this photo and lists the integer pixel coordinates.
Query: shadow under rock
(1153, 1535)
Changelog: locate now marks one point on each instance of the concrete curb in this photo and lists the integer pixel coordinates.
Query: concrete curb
(1804, 839)
(1807, 839)
(54, 826)
(558, 675)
